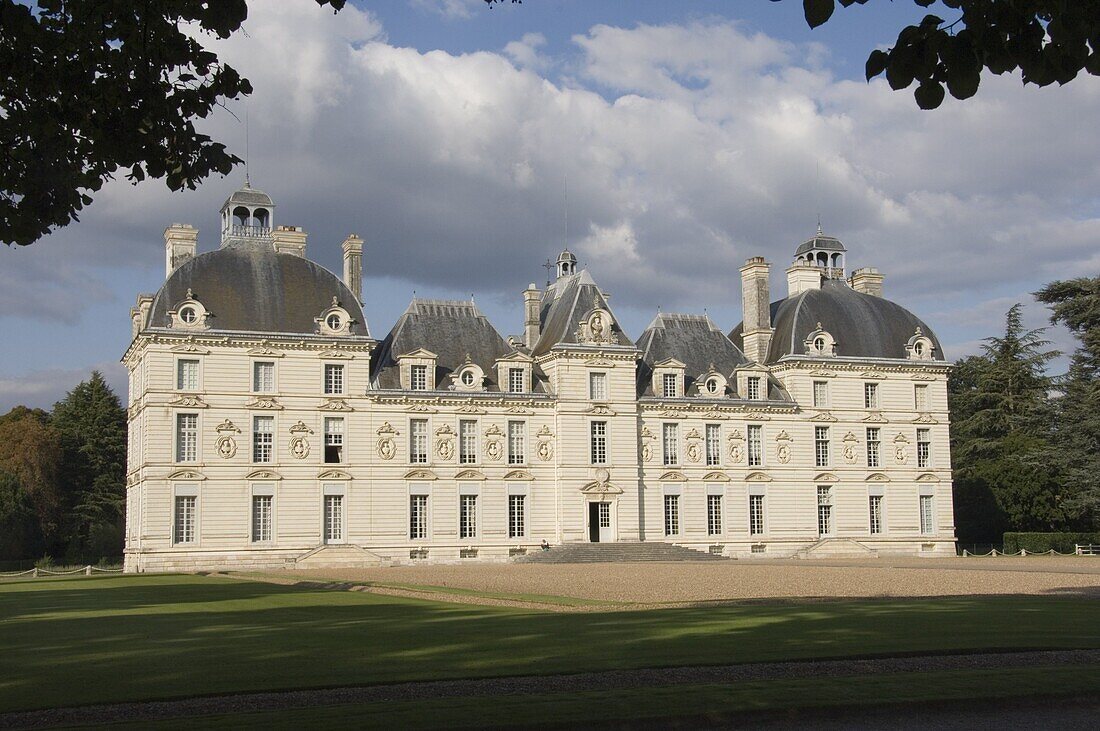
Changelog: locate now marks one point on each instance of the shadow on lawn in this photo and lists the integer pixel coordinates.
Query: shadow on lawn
(94, 641)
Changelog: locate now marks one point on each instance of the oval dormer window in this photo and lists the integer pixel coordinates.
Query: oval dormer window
(712, 385)
(188, 314)
(918, 348)
(467, 378)
(819, 344)
(334, 321)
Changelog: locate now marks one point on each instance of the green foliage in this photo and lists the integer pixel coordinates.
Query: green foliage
(1049, 41)
(93, 86)
(1001, 436)
(62, 477)
(1041, 542)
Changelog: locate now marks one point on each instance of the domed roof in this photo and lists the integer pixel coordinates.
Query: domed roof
(252, 288)
(865, 326)
(567, 255)
(820, 242)
(249, 196)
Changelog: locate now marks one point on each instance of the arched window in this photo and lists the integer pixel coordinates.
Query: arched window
(261, 217)
(241, 216)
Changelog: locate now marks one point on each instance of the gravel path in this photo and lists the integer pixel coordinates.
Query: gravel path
(519, 685)
(731, 581)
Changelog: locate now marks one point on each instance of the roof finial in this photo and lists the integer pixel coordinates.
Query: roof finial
(247, 182)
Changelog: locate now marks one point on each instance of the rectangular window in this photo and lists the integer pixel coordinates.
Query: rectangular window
(668, 383)
(263, 438)
(873, 445)
(261, 517)
(334, 518)
(517, 438)
(821, 394)
(870, 395)
(756, 445)
(467, 441)
(183, 528)
(824, 510)
(924, 448)
(714, 515)
(418, 377)
(920, 397)
(671, 433)
(875, 508)
(418, 517)
(604, 515)
(714, 445)
(187, 375)
(756, 515)
(927, 515)
(753, 390)
(597, 386)
(418, 441)
(334, 440)
(598, 442)
(467, 516)
(672, 515)
(517, 517)
(821, 445)
(515, 380)
(187, 437)
(334, 378)
(263, 377)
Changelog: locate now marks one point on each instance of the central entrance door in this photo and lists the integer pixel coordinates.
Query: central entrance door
(599, 522)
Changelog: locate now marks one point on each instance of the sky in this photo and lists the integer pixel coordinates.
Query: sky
(663, 142)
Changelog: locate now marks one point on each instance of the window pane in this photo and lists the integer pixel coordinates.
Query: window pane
(334, 518)
(597, 386)
(714, 515)
(263, 377)
(875, 507)
(756, 515)
(920, 397)
(187, 437)
(669, 389)
(263, 437)
(517, 453)
(924, 448)
(467, 516)
(672, 515)
(261, 517)
(756, 446)
(418, 516)
(598, 442)
(927, 521)
(516, 516)
(334, 440)
(184, 524)
(671, 444)
(467, 441)
(418, 441)
(821, 446)
(419, 378)
(821, 394)
(187, 375)
(753, 387)
(714, 445)
(515, 380)
(870, 395)
(334, 379)
(873, 447)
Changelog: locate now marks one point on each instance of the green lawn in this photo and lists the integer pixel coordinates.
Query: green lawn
(98, 640)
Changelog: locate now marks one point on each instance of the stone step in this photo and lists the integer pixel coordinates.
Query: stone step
(617, 553)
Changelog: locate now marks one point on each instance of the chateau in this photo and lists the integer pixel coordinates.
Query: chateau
(269, 428)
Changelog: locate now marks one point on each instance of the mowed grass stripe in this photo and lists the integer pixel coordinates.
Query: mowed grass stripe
(116, 639)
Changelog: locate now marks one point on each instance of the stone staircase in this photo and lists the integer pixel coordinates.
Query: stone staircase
(836, 548)
(617, 553)
(335, 557)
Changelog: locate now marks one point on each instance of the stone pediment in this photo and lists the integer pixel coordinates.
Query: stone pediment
(333, 475)
(186, 475)
(601, 488)
(263, 475)
(263, 403)
(877, 477)
(469, 475)
(875, 418)
(928, 477)
(190, 401)
(673, 476)
(518, 475)
(826, 477)
(823, 416)
(190, 348)
(420, 474)
(757, 476)
(335, 354)
(716, 477)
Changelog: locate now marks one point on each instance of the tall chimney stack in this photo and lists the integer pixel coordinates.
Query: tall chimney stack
(867, 280)
(290, 240)
(531, 326)
(180, 242)
(353, 265)
(756, 303)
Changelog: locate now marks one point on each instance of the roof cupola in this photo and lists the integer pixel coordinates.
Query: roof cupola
(824, 252)
(567, 264)
(247, 215)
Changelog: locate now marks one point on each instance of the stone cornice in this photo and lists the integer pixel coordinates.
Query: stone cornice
(686, 407)
(482, 400)
(251, 341)
(860, 365)
(586, 352)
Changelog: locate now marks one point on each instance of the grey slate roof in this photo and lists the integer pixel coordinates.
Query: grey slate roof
(249, 196)
(251, 287)
(695, 341)
(821, 243)
(565, 305)
(864, 326)
(449, 328)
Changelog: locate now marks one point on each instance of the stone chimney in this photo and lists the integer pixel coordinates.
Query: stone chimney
(867, 280)
(802, 276)
(756, 303)
(353, 265)
(290, 240)
(139, 314)
(531, 325)
(180, 242)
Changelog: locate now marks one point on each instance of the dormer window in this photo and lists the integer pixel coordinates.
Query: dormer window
(712, 385)
(418, 380)
(668, 386)
(919, 346)
(516, 380)
(668, 378)
(753, 388)
(189, 314)
(335, 320)
(514, 373)
(467, 378)
(820, 343)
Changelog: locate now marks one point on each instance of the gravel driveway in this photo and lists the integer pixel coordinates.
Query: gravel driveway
(663, 583)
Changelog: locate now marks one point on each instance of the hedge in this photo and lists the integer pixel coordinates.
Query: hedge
(1041, 542)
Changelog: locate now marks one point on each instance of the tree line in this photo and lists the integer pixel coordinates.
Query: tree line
(1025, 445)
(62, 478)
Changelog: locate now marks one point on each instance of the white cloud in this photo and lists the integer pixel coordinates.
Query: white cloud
(43, 388)
(686, 150)
(452, 9)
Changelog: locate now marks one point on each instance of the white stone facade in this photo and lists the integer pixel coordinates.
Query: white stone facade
(255, 449)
